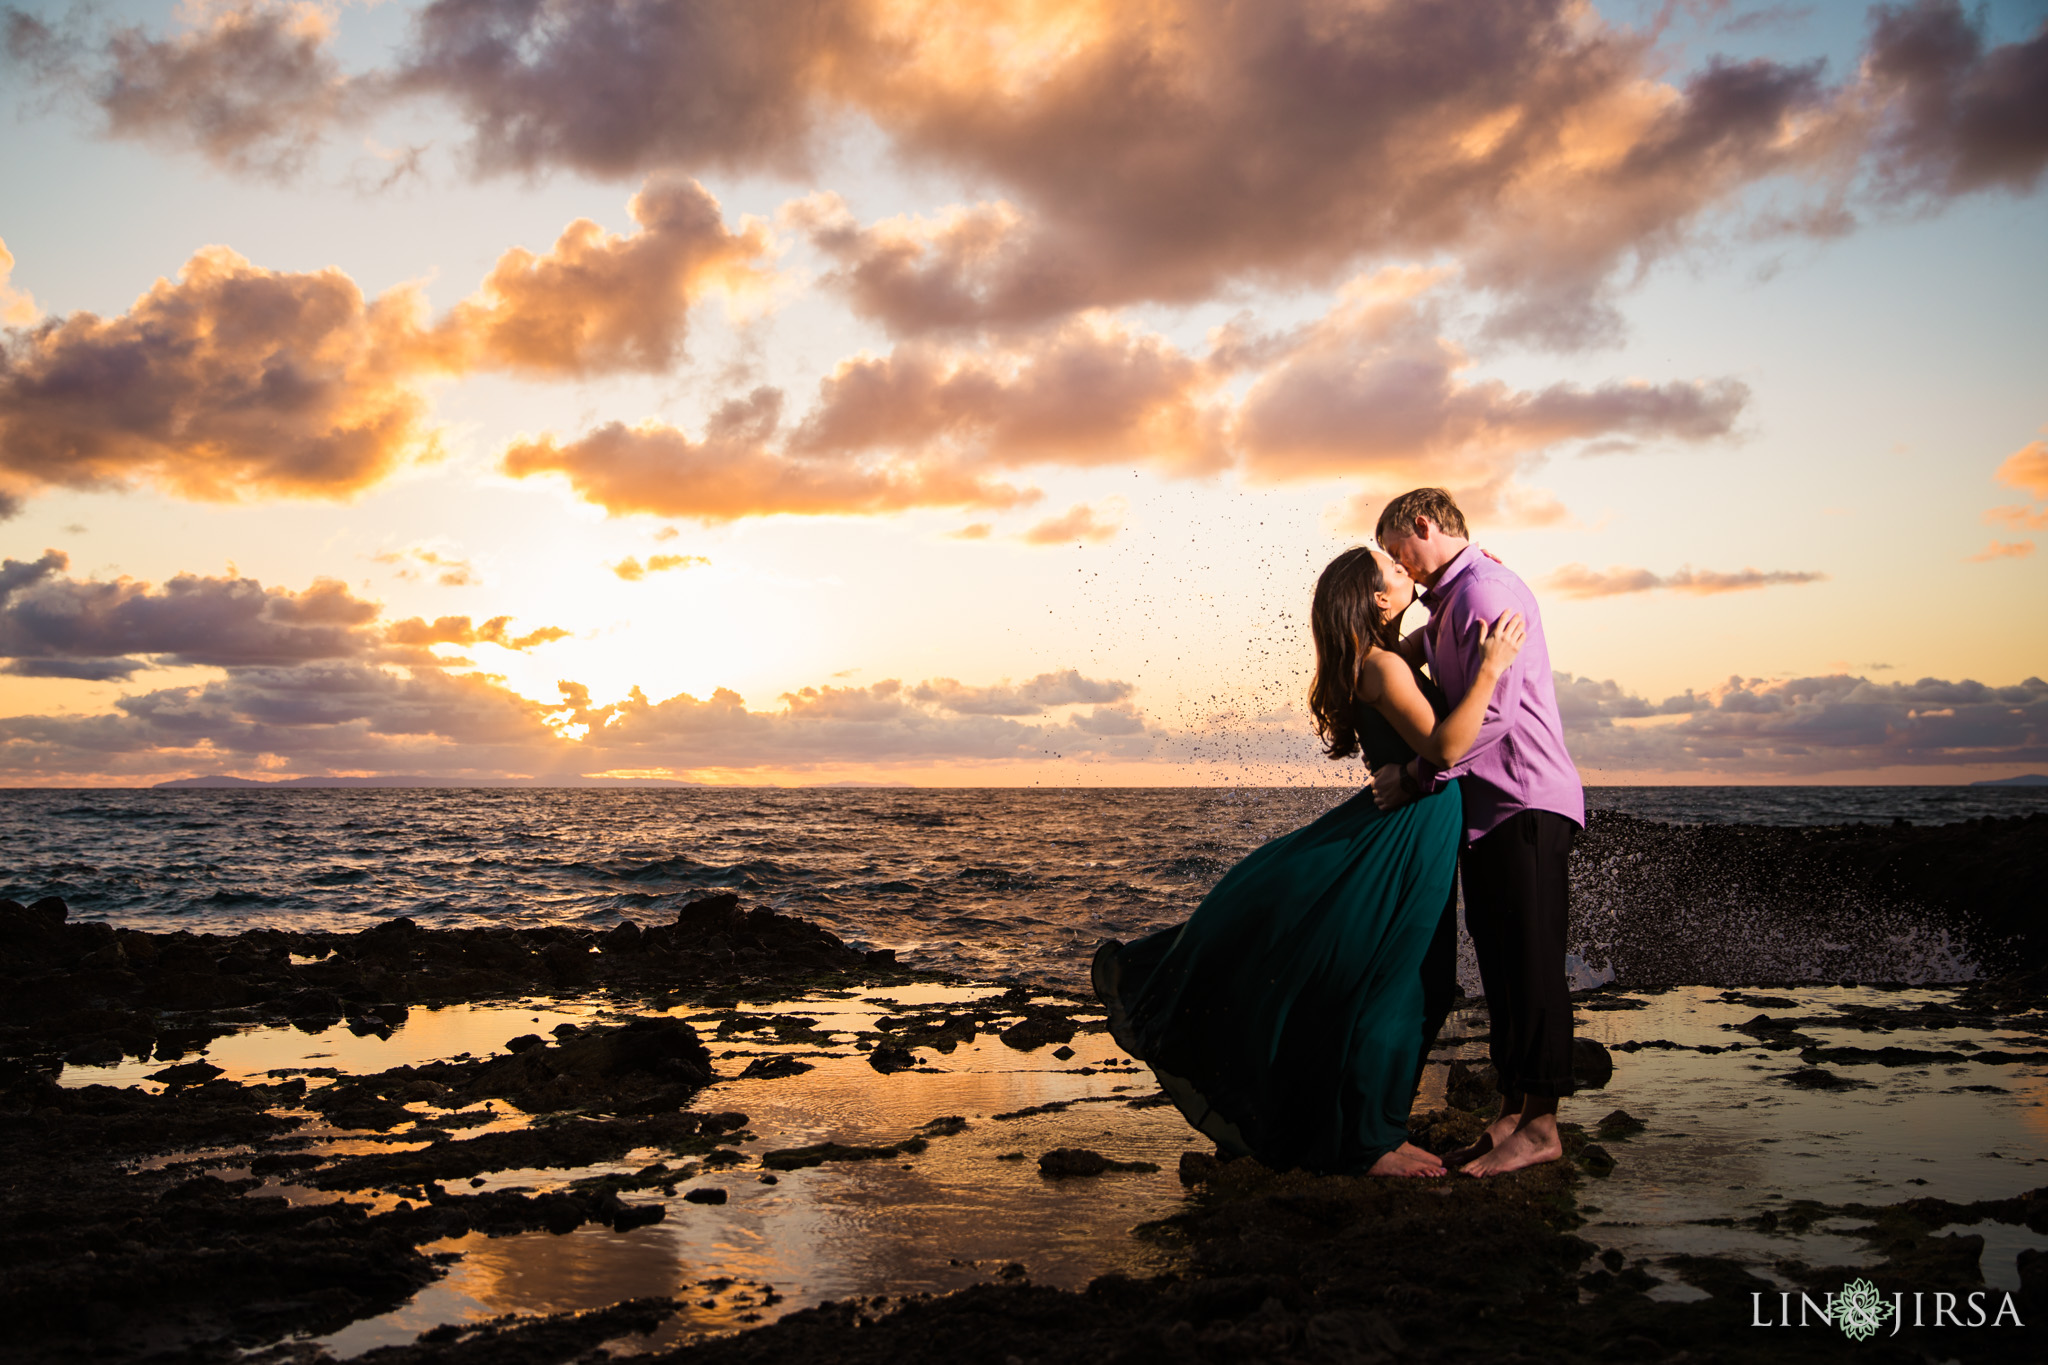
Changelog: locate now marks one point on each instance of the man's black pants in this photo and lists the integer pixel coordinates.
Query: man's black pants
(1517, 900)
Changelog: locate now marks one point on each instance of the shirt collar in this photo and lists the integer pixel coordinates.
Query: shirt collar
(1458, 565)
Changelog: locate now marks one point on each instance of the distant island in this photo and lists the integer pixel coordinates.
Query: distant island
(221, 781)
(2024, 780)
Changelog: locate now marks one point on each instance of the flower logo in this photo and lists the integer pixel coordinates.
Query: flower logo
(1860, 1310)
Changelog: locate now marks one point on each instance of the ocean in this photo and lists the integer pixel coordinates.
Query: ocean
(986, 882)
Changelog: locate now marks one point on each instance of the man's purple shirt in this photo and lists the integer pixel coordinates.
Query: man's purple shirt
(1519, 760)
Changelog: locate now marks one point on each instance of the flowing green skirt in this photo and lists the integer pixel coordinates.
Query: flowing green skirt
(1286, 1017)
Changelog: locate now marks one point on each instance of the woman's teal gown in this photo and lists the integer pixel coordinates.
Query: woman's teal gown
(1287, 1017)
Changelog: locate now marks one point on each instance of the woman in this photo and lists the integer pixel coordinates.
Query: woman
(1286, 1017)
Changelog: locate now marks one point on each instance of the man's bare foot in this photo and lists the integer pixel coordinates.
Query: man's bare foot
(1406, 1160)
(1531, 1144)
(1496, 1133)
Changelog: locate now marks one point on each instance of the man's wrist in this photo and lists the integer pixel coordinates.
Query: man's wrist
(1411, 780)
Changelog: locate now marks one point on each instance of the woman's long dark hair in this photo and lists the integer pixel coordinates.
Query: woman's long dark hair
(1346, 622)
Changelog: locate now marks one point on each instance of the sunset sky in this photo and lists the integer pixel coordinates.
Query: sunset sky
(969, 393)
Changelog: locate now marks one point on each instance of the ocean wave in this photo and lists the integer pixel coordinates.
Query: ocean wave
(975, 881)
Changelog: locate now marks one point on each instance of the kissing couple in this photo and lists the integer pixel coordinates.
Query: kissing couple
(1290, 1017)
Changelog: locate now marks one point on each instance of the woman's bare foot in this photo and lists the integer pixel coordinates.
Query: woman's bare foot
(1407, 1160)
(1533, 1143)
(1496, 1133)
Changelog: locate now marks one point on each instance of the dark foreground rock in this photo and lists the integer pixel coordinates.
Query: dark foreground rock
(1333, 1269)
(91, 993)
(109, 1251)
(139, 1226)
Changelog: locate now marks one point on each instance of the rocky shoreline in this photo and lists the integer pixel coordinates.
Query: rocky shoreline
(142, 1223)
(1733, 905)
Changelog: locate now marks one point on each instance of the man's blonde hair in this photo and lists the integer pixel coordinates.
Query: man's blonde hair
(1434, 503)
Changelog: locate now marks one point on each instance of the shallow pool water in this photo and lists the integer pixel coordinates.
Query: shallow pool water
(1726, 1139)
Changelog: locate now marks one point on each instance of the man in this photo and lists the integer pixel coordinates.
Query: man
(1523, 807)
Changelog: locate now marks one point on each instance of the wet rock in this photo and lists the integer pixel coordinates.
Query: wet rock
(1079, 1161)
(23, 928)
(630, 1216)
(705, 1194)
(1473, 1087)
(1592, 1067)
(1820, 1078)
(311, 1003)
(1195, 1167)
(1038, 1029)
(623, 937)
(104, 1050)
(1597, 1160)
(797, 1158)
(1063, 1053)
(727, 1121)
(49, 965)
(187, 1073)
(525, 1042)
(569, 962)
(368, 1115)
(891, 1056)
(774, 1067)
(1619, 1126)
(942, 1029)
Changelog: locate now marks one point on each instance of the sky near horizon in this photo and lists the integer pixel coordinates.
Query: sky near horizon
(875, 390)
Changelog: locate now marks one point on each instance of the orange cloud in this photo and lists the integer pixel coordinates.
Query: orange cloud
(1079, 522)
(734, 472)
(1161, 150)
(230, 381)
(234, 381)
(2027, 469)
(310, 686)
(1146, 152)
(17, 309)
(2000, 549)
(52, 626)
(1371, 391)
(884, 723)
(2019, 518)
(454, 573)
(1065, 688)
(632, 570)
(1089, 393)
(1374, 391)
(606, 303)
(1805, 725)
(1576, 580)
(457, 630)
